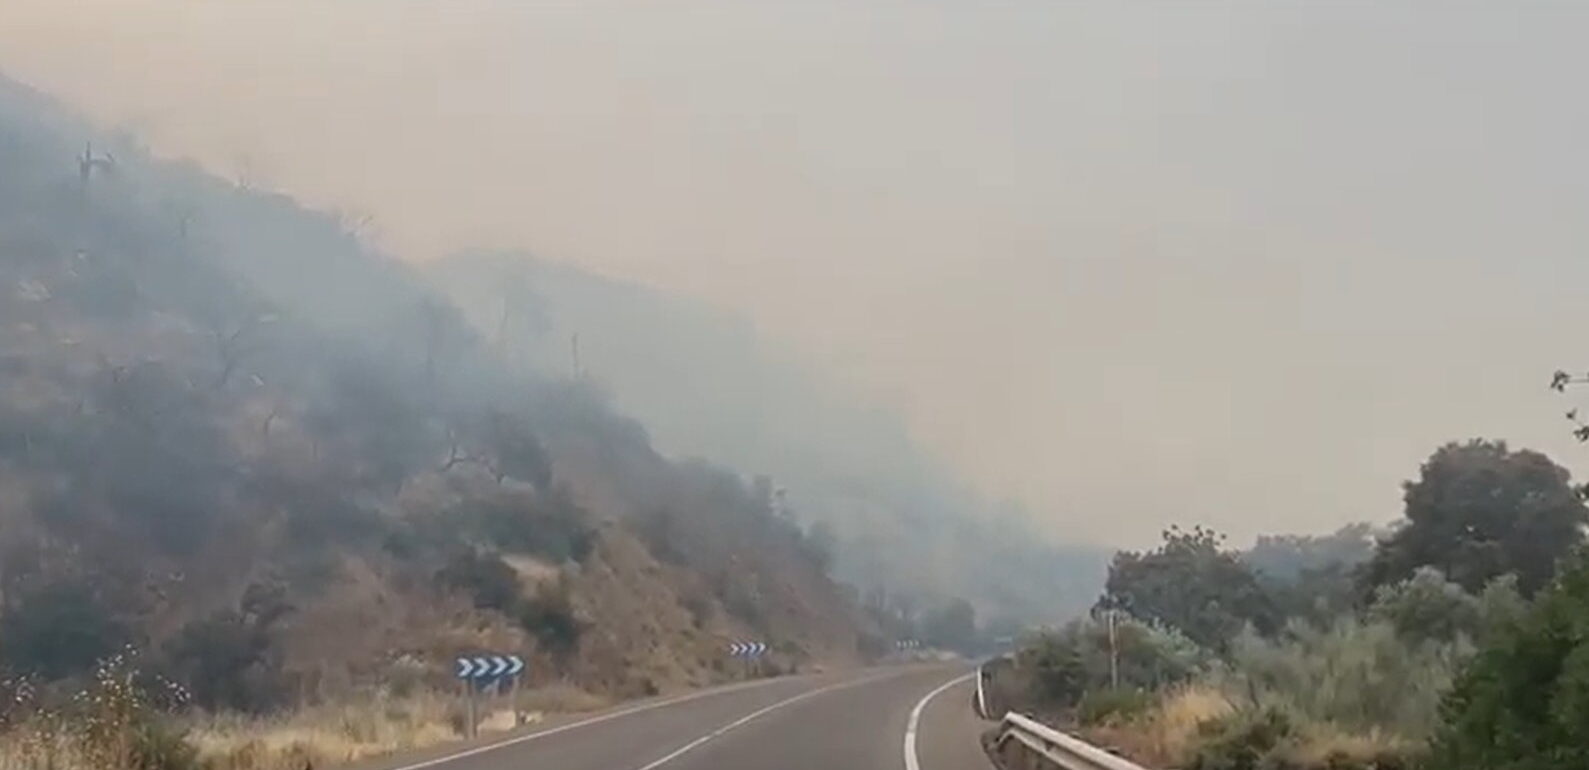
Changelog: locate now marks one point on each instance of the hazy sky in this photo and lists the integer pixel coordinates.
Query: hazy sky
(1131, 263)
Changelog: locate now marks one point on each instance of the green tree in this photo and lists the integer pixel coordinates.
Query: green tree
(1312, 576)
(1190, 582)
(1079, 659)
(1427, 606)
(953, 626)
(1315, 594)
(1478, 511)
(1523, 703)
(1288, 557)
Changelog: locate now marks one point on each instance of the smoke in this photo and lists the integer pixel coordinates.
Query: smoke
(1123, 264)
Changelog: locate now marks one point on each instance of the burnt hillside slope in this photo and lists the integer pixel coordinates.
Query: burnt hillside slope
(236, 438)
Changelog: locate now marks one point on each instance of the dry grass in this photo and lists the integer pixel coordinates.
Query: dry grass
(1325, 745)
(39, 747)
(337, 734)
(1167, 734)
(327, 735)
(560, 699)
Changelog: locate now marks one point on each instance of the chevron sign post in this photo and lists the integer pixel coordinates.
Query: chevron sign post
(481, 671)
(489, 668)
(750, 652)
(746, 649)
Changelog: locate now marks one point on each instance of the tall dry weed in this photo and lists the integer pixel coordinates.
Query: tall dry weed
(1168, 733)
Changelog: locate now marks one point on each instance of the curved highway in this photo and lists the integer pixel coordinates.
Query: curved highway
(905, 718)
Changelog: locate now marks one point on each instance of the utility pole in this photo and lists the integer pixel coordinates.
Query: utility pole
(1114, 653)
(573, 345)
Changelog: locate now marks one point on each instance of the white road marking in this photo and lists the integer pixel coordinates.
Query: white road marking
(582, 723)
(911, 761)
(692, 745)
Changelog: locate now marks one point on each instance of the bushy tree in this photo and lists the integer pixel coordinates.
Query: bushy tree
(365, 414)
(1314, 577)
(821, 544)
(550, 616)
(1289, 557)
(953, 626)
(488, 580)
(1523, 704)
(1190, 582)
(1315, 595)
(225, 659)
(549, 525)
(548, 613)
(1501, 608)
(57, 629)
(1480, 510)
(1427, 606)
(1067, 664)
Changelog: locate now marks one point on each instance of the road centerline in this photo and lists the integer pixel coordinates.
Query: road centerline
(595, 720)
(754, 715)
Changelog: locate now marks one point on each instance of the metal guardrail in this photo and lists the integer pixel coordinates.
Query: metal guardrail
(980, 705)
(1025, 744)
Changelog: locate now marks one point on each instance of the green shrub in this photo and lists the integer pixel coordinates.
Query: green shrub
(1101, 706)
(1067, 664)
(1427, 606)
(1523, 704)
(1246, 740)
(1353, 674)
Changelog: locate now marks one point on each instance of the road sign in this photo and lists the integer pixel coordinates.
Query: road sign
(906, 644)
(488, 667)
(486, 673)
(746, 649)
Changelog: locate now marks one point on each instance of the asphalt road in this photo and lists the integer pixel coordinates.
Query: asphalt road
(852, 721)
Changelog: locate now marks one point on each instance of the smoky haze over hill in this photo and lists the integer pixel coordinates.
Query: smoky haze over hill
(282, 467)
(1102, 257)
(706, 384)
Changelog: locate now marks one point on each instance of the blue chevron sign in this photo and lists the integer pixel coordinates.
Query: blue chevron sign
(487, 667)
(746, 649)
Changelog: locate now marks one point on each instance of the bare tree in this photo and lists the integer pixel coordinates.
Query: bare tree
(361, 225)
(236, 341)
(455, 452)
(270, 418)
(89, 163)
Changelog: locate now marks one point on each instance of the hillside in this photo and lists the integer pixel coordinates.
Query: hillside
(709, 386)
(277, 462)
